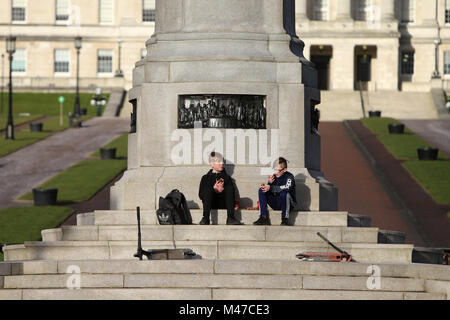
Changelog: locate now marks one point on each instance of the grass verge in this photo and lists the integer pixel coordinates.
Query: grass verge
(47, 103)
(17, 119)
(120, 143)
(81, 181)
(380, 125)
(20, 224)
(22, 139)
(404, 146)
(434, 176)
(401, 146)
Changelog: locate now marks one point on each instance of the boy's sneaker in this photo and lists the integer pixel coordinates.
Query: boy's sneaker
(285, 222)
(233, 221)
(262, 221)
(204, 221)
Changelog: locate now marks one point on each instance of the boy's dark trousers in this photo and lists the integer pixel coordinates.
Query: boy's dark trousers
(213, 200)
(281, 201)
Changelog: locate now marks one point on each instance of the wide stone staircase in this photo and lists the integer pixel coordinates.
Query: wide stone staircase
(233, 262)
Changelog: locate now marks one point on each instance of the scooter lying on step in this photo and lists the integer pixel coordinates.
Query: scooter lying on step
(340, 256)
(161, 254)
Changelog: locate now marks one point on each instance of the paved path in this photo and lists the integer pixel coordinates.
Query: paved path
(436, 132)
(31, 166)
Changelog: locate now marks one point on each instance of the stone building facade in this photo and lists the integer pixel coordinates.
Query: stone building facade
(113, 39)
(387, 44)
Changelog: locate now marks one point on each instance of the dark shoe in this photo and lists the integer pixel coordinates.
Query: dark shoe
(285, 222)
(262, 221)
(204, 221)
(233, 221)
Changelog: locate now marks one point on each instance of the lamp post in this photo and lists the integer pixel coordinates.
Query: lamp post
(436, 74)
(3, 79)
(77, 109)
(10, 49)
(98, 100)
(119, 72)
(437, 42)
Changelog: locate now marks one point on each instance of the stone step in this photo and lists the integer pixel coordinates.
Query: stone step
(231, 281)
(211, 232)
(239, 266)
(226, 279)
(70, 250)
(148, 217)
(210, 294)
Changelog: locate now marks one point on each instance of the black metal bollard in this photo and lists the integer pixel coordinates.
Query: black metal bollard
(374, 114)
(396, 128)
(45, 197)
(427, 153)
(36, 127)
(106, 154)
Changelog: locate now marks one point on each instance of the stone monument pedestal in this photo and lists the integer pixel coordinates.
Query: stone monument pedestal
(216, 47)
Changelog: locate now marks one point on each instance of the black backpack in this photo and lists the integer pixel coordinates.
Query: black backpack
(173, 209)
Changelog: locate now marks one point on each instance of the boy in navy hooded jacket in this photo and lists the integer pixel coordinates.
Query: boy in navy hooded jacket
(278, 193)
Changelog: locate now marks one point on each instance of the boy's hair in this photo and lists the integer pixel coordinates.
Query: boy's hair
(215, 157)
(282, 162)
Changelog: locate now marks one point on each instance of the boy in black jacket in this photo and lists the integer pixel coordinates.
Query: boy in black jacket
(217, 190)
(279, 194)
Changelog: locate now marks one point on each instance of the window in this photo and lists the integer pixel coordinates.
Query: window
(320, 10)
(106, 11)
(18, 10)
(104, 61)
(148, 10)
(19, 63)
(447, 11)
(62, 10)
(62, 60)
(407, 63)
(447, 62)
(363, 10)
(407, 11)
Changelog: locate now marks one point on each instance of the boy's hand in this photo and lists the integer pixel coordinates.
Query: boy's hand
(271, 178)
(265, 188)
(219, 186)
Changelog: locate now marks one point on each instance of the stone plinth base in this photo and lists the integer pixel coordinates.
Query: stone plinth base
(143, 186)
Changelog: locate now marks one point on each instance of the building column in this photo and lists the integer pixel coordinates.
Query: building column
(342, 68)
(344, 10)
(300, 10)
(388, 10)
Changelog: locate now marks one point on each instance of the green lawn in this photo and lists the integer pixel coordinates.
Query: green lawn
(121, 143)
(81, 181)
(20, 224)
(402, 146)
(17, 119)
(434, 176)
(39, 105)
(22, 139)
(46, 103)
(380, 125)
